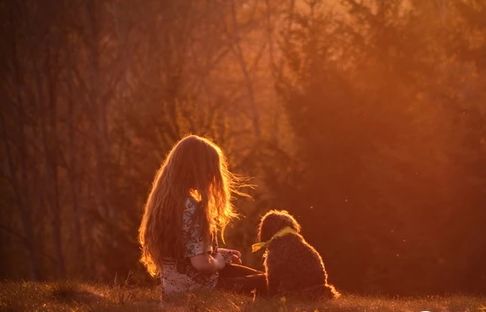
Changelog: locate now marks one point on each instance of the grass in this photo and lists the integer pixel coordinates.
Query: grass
(70, 296)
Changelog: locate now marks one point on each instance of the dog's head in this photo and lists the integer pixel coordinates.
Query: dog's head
(273, 221)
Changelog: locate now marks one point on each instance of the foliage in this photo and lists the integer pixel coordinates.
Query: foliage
(393, 168)
(365, 119)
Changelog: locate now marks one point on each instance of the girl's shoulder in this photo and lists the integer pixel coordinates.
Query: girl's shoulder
(190, 204)
(190, 214)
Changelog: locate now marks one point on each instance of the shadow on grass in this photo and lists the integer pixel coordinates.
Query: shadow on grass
(72, 296)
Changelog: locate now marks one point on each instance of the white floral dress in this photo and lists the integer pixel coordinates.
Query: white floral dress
(178, 275)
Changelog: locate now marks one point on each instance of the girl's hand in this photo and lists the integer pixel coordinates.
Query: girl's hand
(235, 259)
(219, 261)
(230, 255)
(208, 263)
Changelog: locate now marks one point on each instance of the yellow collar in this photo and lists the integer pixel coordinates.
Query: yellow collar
(286, 230)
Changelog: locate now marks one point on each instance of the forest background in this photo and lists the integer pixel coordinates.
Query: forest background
(365, 119)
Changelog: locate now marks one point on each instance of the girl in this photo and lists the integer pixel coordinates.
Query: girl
(188, 206)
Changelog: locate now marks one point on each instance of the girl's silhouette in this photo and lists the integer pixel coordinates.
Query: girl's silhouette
(189, 205)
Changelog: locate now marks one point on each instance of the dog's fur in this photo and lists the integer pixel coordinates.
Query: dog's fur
(292, 266)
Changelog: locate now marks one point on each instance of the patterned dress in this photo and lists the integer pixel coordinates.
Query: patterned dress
(178, 275)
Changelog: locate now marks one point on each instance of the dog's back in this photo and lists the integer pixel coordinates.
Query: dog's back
(294, 267)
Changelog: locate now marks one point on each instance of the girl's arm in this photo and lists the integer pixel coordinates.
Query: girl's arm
(208, 263)
(230, 255)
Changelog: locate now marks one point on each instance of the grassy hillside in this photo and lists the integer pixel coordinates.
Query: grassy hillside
(29, 296)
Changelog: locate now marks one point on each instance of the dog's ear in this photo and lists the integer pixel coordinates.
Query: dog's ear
(267, 223)
(292, 222)
(260, 233)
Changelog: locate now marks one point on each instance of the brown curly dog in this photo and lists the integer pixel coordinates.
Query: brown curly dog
(292, 266)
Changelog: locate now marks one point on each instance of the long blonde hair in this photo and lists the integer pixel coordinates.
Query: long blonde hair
(197, 168)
